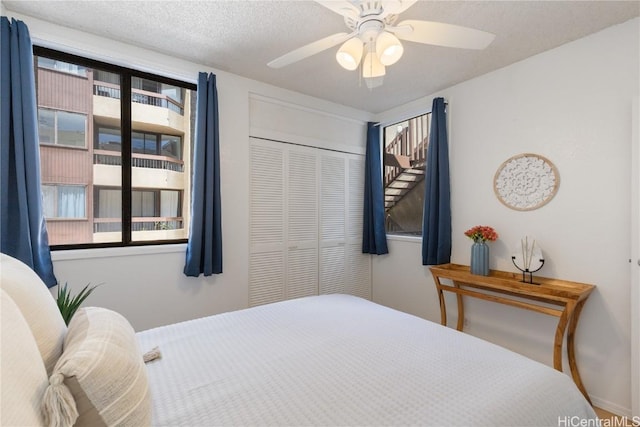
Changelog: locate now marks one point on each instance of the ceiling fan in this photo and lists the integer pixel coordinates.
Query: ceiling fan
(375, 35)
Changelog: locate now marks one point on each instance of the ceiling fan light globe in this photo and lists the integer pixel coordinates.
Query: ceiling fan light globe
(372, 67)
(350, 53)
(388, 48)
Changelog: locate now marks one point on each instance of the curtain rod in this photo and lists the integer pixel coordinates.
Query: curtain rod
(445, 104)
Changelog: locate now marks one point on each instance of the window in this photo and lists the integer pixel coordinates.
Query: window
(141, 143)
(65, 67)
(150, 209)
(132, 177)
(62, 128)
(405, 156)
(64, 201)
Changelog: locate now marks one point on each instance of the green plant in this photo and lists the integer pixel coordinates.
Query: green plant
(68, 304)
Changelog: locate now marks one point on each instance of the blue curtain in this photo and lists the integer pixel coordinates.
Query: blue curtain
(436, 216)
(23, 232)
(204, 250)
(374, 235)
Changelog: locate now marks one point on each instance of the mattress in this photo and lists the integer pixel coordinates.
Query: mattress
(343, 360)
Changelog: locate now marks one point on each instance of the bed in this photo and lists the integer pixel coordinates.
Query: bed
(322, 360)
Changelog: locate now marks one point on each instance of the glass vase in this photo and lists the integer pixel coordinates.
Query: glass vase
(480, 258)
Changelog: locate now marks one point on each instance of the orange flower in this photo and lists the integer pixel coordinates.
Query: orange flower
(481, 233)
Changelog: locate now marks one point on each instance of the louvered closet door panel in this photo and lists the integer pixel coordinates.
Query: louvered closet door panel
(266, 278)
(358, 265)
(332, 202)
(302, 222)
(302, 272)
(332, 270)
(358, 272)
(332, 223)
(355, 196)
(266, 195)
(266, 223)
(302, 203)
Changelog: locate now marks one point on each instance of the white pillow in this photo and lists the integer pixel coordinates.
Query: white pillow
(103, 369)
(24, 378)
(37, 305)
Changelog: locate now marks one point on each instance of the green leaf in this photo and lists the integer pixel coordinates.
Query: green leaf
(68, 304)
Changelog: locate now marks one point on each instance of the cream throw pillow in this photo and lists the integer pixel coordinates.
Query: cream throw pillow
(37, 305)
(103, 370)
(22, 373)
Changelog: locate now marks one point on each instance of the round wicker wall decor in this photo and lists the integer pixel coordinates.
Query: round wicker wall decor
(526, 182)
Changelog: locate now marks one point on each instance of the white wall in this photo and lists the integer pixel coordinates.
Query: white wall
(146, 284)
(572, 105)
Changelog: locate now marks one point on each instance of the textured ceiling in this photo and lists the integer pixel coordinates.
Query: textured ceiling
(242, 36)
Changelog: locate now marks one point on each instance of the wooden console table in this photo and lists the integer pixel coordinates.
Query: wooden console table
(507, 288)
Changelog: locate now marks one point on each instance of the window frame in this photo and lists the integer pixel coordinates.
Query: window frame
(383, 142)
(126, 75)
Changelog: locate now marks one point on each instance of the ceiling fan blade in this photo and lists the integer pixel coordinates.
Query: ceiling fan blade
(341, 7)
(396, 7)
(439, 34)
(310, 49)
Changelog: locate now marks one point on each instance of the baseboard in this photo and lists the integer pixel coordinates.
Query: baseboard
(610, 407)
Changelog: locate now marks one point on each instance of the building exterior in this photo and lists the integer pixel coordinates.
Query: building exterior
(81, 161)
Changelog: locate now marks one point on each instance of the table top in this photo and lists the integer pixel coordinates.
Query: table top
(511, 282)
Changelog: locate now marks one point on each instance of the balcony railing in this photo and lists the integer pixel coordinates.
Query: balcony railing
(409, 146)
(150, 161)
(110, 90)
(105, 225)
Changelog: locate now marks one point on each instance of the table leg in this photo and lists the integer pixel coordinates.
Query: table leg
(573, 322)
(443, 306)
(460, 325)
(562, 326)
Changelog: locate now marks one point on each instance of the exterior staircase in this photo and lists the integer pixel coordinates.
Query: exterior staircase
(404, 160)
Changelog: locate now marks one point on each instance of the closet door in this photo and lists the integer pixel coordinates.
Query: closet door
(283, 230)
(302, 222)
(332, 223)
(343, 266)
(266, 223)
(358, 271)
(305, 231)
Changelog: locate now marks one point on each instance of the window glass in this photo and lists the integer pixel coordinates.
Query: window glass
(49, 201)
(46, 126)
(71, 129)
(71, 116)
(150, 144)
(143, 203)
(169, 203)
(71, 201)
(107, 211)
(86, 185)
(405, 155)
(64, 201)
(171, 146)
(65, 67)
(173, 92)
(109, 139)
(62, 127)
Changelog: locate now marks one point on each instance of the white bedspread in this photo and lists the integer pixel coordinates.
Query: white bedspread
(342, 360)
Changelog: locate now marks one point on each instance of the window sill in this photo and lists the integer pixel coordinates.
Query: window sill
(400, 238)
(79, 254)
